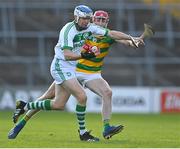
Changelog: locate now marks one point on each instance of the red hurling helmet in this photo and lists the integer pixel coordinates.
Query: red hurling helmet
(101, 14)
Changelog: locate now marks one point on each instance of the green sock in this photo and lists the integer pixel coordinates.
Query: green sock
(80, 112)
(41, 105)
(106, 124)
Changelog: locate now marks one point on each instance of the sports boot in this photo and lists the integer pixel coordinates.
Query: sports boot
(19, 110)
(88, 137)
(112, 130)
(15, 131)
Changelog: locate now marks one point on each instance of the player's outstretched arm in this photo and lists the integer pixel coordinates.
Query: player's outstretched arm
(122, 36)
(126, 43)
(118, 35)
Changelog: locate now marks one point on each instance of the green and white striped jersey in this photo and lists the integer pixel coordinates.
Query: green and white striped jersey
(72, 39)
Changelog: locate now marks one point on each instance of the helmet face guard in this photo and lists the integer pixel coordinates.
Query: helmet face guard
(82, 11)
(101, 15)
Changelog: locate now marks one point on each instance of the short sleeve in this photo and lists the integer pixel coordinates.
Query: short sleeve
(66, 37)
(99, 30)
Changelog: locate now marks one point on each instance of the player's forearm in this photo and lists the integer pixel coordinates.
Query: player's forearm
(124, 42)
(70, 56)
(118, 35)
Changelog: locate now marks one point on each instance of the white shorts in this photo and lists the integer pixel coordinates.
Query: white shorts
(83, 78)
(61, 70)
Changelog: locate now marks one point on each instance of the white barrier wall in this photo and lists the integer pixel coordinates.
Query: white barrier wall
(125, 99)
(9, 96)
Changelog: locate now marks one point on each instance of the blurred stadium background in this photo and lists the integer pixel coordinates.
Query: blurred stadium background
(29, 31)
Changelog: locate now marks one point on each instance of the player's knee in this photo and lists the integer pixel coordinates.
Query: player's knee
(107, 93)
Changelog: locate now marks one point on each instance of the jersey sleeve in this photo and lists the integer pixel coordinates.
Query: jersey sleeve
(99, 30)
(66, 37)
(111, 41)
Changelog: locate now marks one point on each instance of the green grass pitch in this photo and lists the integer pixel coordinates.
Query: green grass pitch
(59, 129)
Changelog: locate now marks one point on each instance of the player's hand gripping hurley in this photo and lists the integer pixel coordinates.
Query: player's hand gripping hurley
(148, 33)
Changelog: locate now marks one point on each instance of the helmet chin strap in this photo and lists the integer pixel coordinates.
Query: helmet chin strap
(76, 19)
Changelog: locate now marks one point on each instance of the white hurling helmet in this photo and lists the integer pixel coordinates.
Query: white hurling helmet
(82, 11)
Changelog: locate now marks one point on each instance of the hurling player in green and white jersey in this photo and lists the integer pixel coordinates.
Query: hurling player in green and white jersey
(67, 51)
